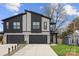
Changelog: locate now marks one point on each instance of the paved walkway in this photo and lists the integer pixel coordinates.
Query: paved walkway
(36, 50)
(4, 48)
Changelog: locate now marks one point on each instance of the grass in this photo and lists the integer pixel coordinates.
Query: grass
(62, 49)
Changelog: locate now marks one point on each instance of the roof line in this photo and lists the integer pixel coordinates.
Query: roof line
(25, 13)
(13, 16)
(37, 13)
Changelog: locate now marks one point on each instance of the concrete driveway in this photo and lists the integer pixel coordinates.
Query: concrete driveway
(36, 50)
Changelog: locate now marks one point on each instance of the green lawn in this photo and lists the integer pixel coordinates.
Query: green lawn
(62, 49)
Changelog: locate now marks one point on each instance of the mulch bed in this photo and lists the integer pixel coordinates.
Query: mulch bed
(72, 54)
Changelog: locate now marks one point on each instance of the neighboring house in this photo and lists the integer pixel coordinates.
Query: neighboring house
(29, 27)
(72, 39)
(68, 39)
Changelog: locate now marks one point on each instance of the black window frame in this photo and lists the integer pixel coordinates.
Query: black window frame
(16, 25)
(45, 25)
(36, 25)
(7, 25)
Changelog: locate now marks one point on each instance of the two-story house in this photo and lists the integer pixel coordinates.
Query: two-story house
(29, 27)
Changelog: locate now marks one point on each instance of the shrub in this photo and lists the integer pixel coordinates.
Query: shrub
(1, 37)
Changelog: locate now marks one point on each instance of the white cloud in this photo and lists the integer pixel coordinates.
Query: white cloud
(41, 7)
(13, 7)
(70, 10)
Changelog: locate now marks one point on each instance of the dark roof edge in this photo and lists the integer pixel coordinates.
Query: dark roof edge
(37, 14)
(25, 13)
(13, 16)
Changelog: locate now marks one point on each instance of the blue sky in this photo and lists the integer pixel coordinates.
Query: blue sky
(7, 10)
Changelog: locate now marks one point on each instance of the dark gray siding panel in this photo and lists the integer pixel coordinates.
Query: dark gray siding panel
(11, 39)
(35, 18)
(14, 19)
(38, 39)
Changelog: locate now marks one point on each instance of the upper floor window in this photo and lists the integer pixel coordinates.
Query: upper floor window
(51, 27)
(7, 25)
(45, 25)
(36, 25)
(16, 25)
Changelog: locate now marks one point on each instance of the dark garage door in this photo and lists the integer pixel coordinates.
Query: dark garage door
(37, 39)
(15, 39)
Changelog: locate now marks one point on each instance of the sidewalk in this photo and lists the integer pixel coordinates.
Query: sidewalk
(4, 48)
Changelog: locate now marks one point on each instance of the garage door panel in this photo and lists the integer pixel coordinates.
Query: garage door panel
(15, 39)
(37, 39)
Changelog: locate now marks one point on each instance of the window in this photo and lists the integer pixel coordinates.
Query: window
(45, 25)
(16, 25)
(7, 25)
(36, 25)
(51, 27)
(77, 41)
(72, 41)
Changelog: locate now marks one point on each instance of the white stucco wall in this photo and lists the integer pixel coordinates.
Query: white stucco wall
(24, 22)
(48, 39)
(4, 40)
(45, 20)
(28, 21)
(27, 39)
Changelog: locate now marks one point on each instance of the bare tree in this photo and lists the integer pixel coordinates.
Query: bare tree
(57, 13)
